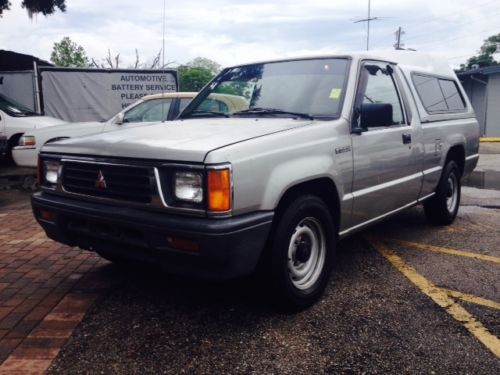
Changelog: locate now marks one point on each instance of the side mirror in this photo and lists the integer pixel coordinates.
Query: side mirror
(375, 115)
(119, 118)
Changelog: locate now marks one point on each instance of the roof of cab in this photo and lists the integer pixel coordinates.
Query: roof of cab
(408, 60)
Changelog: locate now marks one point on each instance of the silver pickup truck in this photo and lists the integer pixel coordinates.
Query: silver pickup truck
(323, 147)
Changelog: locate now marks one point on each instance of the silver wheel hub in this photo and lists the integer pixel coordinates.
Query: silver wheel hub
(306, 253)
(451, 192)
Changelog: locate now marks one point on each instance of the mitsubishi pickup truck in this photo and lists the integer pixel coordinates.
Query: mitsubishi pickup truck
(325, 147)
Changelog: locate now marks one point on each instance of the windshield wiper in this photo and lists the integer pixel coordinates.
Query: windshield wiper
(272, 111)
(205, 114)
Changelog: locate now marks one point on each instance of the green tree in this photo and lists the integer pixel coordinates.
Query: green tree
(45, 7)
(193, 78)
(485, 53)
(203, 62)
(69, 54)
(197, 73)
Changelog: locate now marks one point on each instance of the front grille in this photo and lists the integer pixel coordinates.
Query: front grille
(124, 183)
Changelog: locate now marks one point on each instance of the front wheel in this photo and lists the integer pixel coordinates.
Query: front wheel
(442, 208)
(301, 253)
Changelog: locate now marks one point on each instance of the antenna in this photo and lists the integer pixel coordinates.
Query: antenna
(368, 20)
(163, 64)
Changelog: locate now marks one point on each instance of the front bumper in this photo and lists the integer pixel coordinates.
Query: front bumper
(25, 156)
(227, 248)
(3, 146)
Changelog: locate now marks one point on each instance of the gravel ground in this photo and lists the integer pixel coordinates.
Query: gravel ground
(371, 319)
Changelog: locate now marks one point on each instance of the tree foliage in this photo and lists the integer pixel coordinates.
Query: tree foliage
(45, 7)
(67, 53)
(197, 73)
(193, 78)
(202, 62)
(485, 53)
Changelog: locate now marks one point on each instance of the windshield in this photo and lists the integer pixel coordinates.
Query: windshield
(149, 111)
(299, 88)
(13, 108)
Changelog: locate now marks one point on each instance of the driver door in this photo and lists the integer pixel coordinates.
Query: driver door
(386, 172)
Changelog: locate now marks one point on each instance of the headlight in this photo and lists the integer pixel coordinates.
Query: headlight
(27, 140)
(51, 171)
(188, 186)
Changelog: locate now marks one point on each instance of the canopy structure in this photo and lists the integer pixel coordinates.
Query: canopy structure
(13, 61)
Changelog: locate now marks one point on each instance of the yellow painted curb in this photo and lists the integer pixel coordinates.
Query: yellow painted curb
(489, 139)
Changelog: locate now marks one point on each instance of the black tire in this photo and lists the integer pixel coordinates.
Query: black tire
(442, 208)
(307, 221)
(115, 259)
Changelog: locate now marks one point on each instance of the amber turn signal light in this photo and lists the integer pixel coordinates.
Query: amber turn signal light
(219, 190)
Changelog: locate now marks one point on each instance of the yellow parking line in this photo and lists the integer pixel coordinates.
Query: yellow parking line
(472, 298)
(489, 139)
(445, 250)
(441, 298)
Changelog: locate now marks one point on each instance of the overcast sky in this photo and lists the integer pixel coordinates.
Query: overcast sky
(236, 31)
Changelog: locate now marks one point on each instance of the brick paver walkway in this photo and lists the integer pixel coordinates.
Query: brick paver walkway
(45, 290)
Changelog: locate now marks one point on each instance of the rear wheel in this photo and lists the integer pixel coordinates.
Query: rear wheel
(302, 251)
(442, 208)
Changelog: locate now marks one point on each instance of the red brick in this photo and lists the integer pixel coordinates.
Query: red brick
(11, 320)
(23, 352)
(4, 311)
(22, 329)
(49, 332)
(7, 346)
(25, 366)
(38, 313)
(40, 342)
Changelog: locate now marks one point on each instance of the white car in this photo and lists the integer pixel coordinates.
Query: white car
(16, 119)
(151, 108)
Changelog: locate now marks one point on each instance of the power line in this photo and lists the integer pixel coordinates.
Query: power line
(441, 29)
(456, 12)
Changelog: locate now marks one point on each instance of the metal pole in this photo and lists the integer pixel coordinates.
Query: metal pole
(38, 105)
(368, 31)
(163, 63)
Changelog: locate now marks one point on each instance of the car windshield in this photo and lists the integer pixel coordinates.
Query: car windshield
(299, 88)
(149, 111)
(13, 108)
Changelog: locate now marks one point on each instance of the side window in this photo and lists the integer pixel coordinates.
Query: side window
(379, 98)
(213, 105)
(452, 96)
(183, 104)
(438, 94)
(148, 111)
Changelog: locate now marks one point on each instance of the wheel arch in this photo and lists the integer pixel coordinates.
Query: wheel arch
(323, 187)
(456, 153)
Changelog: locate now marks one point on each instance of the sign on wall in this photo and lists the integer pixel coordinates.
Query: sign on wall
(95, 94)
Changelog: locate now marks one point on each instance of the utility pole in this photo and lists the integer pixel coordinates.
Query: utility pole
(399, 32)
(368, 20)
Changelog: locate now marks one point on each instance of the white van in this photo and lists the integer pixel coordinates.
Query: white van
(16, 119)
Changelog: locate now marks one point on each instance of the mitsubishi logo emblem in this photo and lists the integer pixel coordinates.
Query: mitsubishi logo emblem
(101, 181)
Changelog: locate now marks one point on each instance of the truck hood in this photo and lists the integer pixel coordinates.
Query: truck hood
(67, 129)
(37, 122)
(182, 140)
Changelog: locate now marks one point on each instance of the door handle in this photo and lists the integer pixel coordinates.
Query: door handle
(406, 138)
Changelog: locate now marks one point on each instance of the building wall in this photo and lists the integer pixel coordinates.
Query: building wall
(476, 92)
(493, 109)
